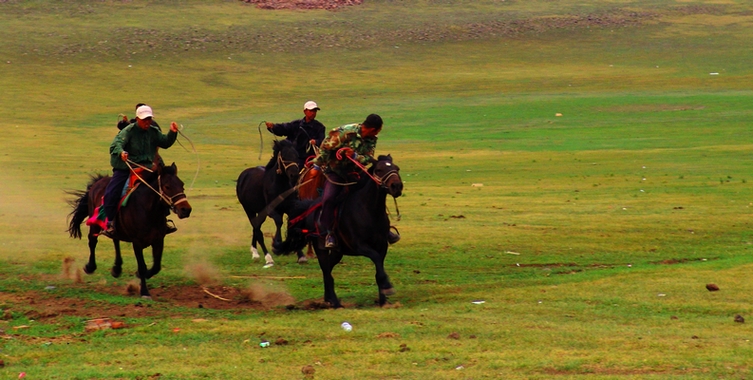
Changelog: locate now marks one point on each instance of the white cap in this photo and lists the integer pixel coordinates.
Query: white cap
(143, 112)
(311, 105)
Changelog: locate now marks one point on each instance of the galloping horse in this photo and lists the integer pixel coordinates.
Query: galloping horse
(362, 227)
(259, 186)
(142, 222)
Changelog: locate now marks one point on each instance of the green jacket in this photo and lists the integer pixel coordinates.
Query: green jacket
(345, 136)
(140, 144)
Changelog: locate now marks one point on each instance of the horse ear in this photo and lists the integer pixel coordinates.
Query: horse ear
(175, 168)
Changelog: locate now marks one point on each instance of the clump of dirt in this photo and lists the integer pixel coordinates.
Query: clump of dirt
(303, 4)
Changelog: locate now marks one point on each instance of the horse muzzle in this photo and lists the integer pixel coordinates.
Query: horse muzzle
(183, 210)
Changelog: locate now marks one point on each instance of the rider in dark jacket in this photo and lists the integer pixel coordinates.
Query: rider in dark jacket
(304, 133)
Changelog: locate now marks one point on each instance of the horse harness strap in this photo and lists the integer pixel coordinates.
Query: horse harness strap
(281, 164)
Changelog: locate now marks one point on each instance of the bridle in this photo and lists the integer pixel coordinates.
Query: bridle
(284, 165)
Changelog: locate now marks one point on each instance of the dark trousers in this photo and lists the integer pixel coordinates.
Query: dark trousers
(329, 202)
(114, 191)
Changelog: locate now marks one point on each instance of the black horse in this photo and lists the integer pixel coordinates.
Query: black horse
(259, 186)
(362, 227)
(142, 222)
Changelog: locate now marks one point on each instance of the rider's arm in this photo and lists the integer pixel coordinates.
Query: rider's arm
(166, 141)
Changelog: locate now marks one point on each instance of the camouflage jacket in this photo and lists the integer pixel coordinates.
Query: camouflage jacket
(341, 137)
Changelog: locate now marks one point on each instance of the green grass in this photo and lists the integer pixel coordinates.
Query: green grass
(590, 241)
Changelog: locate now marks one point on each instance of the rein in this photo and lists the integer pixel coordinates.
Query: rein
(169, 200)
(379, 181)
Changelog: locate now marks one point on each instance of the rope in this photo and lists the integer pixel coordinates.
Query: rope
(261, 138)
(164, 198)
(198, 160)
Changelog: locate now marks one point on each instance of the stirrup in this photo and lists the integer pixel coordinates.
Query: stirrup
(170, 227)
(330, 242)
(393, 237)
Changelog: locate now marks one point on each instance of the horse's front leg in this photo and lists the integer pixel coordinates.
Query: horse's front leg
(158, 247)
(382, 280)
(138, 251)
(117, 266)
(91, 266)
(327, 261)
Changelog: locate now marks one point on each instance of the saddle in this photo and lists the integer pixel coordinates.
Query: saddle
(99, 218)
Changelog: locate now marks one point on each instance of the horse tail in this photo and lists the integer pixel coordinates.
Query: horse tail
(80, 206)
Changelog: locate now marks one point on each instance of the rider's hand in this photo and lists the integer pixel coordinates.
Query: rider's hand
(125, 118)
(344, 152)
(269, 125)
(174, 127)
(124, 156)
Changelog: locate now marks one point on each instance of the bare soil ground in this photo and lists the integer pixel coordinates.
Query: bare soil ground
(303, 4)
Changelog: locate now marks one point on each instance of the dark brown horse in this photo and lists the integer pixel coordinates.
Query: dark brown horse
(258, 187)
(142, 222)
(362, 227)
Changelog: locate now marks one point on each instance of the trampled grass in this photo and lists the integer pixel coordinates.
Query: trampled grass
(589, 236)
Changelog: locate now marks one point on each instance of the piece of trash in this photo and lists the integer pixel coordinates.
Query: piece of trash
(661, 295)
(346, 326)
(478, 302)
(477, 185)
(512, 253)
(713, 73)
(47, 344)
(49, 287)
(267, 266)
(712, 287)
(177, 329)
(557, 114)
(22, 375)
(20, 327)
(264, 344)
(739, 319)
(460, 367)
(518, 264)
(630, 265)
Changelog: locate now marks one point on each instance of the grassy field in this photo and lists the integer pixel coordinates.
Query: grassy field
(582, 167)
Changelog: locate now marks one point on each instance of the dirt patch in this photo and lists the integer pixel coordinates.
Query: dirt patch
(303, 4)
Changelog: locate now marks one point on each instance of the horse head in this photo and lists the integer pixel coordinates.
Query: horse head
(389, 175)
(287, 160)
(171, 190)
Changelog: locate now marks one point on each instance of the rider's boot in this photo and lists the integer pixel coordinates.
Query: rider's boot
(110, 231)
(330, 241)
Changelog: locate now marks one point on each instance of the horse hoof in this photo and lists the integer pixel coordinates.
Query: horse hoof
(387, 292)
(116, 272)
(303, 260)
(146, 298)
(89, 271)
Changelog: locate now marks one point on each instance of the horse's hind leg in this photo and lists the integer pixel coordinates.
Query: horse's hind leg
(302, 259)
(117, 266)
(91, 266)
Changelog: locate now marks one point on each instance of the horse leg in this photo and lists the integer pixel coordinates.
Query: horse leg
(302, 259)
(382, 280)
(255, 234)
(91, 266)
(158, 247)
(138, 251)
(327, 261)
(117, 267)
